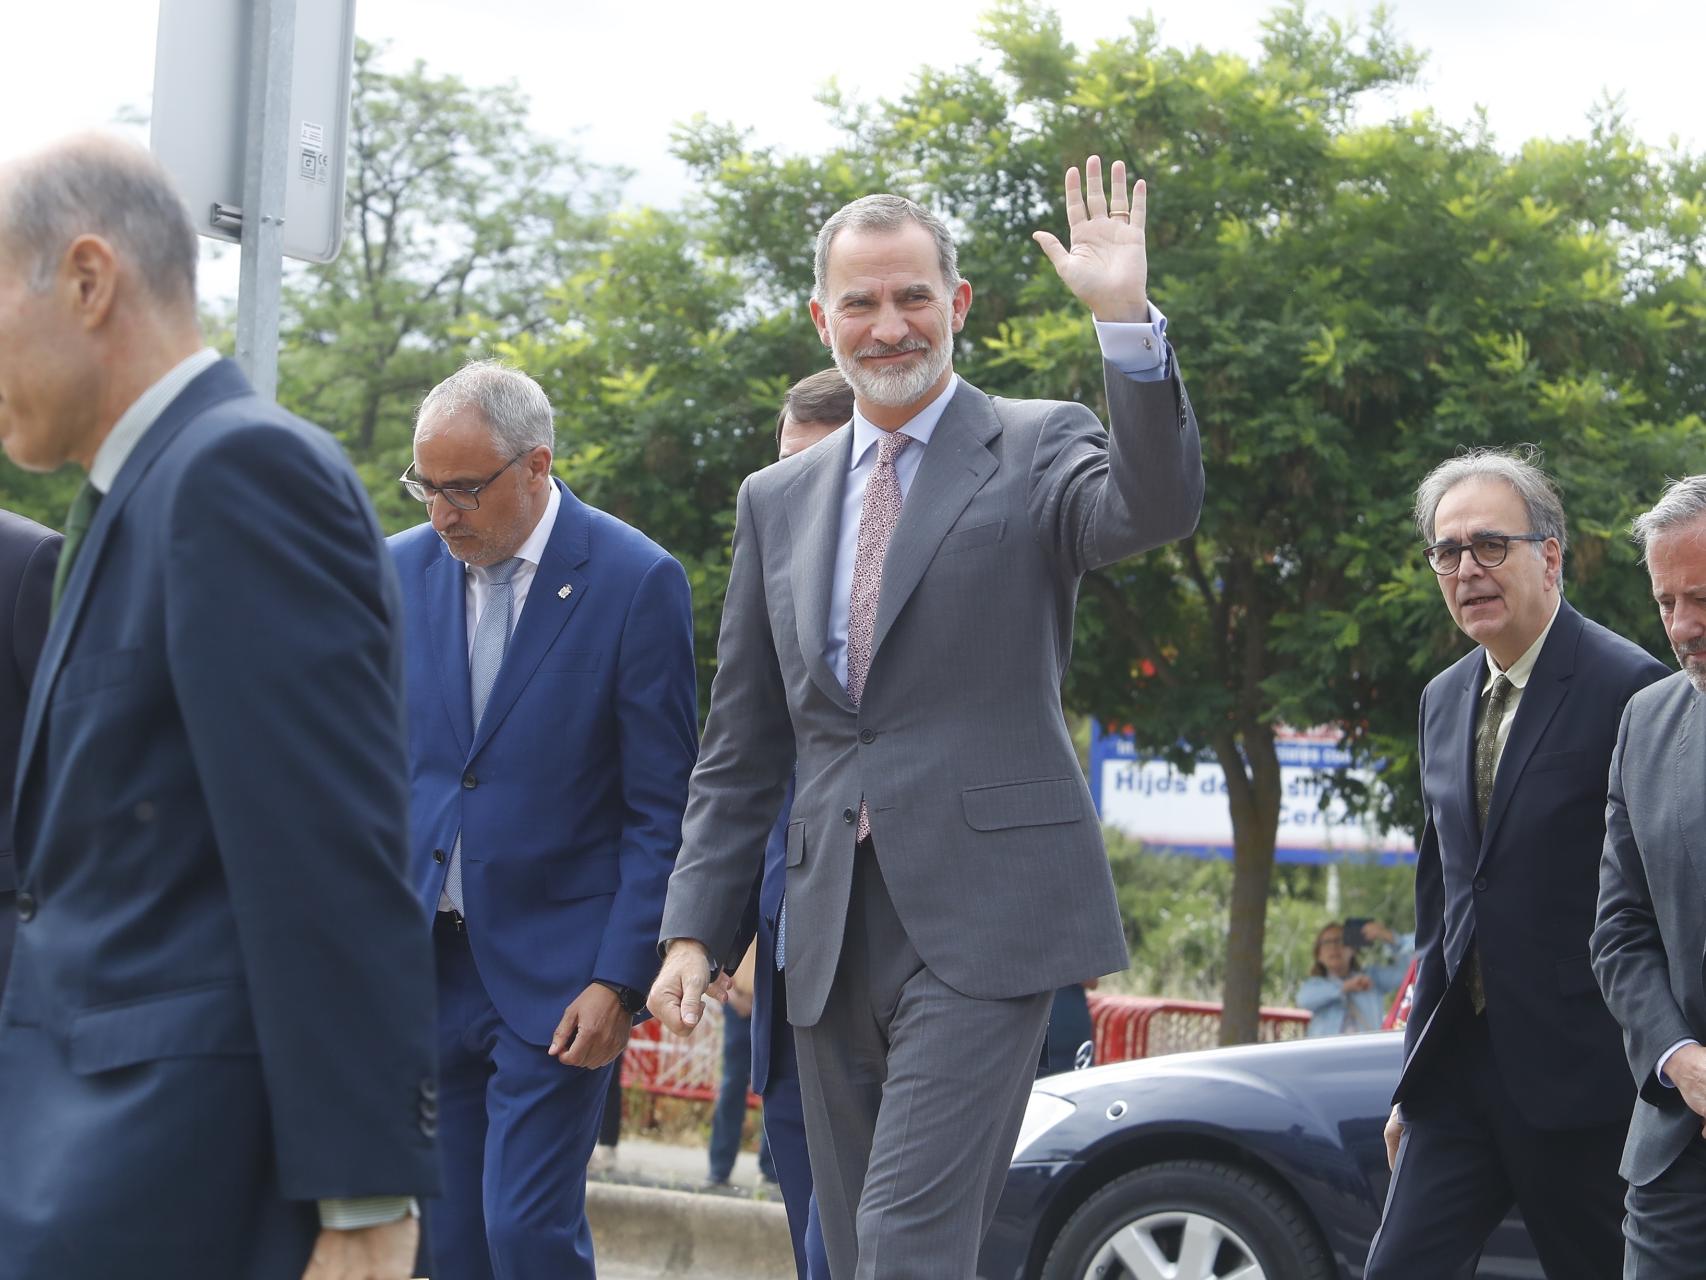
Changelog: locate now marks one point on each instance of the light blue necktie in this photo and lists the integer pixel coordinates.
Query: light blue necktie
(491, 642)
(782, 934)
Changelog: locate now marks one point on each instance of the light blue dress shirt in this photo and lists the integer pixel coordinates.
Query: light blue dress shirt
(1137, 350)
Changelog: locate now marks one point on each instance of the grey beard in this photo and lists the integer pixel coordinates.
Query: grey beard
(894, 388)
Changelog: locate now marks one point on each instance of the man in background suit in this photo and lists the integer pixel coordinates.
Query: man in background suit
(28, 553)
(1651, 932)
(215, 1044)
(813, 408)
(898, 621)
(1513, 1087)
(552, 726)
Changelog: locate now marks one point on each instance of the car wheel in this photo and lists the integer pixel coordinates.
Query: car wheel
(1188, 1220)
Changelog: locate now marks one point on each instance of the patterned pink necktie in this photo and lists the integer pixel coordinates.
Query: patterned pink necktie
(877, 517)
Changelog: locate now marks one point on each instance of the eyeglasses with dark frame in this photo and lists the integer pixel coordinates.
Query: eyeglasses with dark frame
(464, 498)
(1487, 550)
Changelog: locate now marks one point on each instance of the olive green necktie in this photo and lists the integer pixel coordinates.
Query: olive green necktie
(1486, 773)
(77, 523)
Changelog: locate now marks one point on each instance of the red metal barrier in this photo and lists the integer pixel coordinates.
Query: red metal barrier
(1127, 1027)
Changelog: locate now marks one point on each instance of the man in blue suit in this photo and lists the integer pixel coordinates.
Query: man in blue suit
(552, 728)
(216, 1041)
(28, 553)
(1514, 1088)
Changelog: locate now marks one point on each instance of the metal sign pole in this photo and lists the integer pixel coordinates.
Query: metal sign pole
(272, 39)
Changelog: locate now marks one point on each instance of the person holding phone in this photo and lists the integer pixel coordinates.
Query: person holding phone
(1342, 996)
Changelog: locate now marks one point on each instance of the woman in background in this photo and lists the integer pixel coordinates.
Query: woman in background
(1339, 993)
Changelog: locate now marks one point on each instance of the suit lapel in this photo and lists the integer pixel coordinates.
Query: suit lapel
(1541, 698)
(222, 381)
(955, 466)
(446, 611)
(544, 615)
(814, 503)
(1465, 712)
(1690, 803)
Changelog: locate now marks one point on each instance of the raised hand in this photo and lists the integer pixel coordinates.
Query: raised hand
(1107, 267)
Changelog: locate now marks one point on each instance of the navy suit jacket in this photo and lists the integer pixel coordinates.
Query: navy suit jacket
(569, 793)
(28, 554)
(1527, 887)
(769, 992)
(220, 1007)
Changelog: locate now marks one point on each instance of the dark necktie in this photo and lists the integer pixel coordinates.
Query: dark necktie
(77, 522)
(1486, 773)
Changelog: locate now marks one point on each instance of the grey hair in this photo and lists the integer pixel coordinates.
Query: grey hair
(883, 213)
(514, 406)
(1683, 502)
(98, 185)
(1518, 467)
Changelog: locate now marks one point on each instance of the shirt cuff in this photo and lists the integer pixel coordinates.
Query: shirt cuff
(1665, 1057)
(359, 1212)
(1138, 350)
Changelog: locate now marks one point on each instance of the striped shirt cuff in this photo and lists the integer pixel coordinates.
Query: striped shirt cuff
(364, 1211)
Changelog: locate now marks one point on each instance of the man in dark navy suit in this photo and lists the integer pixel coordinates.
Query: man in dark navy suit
(813, 409)
(552, 725)
(216, 1040)
(1514, 1087)
(28, 553)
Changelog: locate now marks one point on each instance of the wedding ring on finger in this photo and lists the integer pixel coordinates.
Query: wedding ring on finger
(1124, 215)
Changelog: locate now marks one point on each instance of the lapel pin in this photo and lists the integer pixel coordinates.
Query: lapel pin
(565, 591)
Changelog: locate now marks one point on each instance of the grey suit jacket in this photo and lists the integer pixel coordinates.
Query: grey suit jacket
(983, 826)
(1650, 938)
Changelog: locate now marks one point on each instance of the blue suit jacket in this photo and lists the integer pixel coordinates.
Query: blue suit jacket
(569, 794)
(28, 554)
(1526, 888)
(220, 1006)
(769, 999)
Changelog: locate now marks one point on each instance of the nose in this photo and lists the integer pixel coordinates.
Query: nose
(1468, 566)
(443, 514)
(889, 327)
(1687, 622)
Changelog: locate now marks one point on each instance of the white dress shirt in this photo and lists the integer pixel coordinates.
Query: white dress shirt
(134, 422)
(479, 583)
(1518, 675)
(1137, 350)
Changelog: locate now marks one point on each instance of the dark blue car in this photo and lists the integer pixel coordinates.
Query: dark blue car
(1257, 1163)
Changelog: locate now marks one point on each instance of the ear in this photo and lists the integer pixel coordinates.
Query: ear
(961, 304)
(821, 319)
(1554, 562)
(88, 274)
(539, 463)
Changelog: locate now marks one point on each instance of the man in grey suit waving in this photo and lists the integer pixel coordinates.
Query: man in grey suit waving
(1651, 933)
(899, 616)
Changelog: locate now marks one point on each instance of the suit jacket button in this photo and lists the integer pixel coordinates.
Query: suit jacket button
(848, 816)
(429, 1087)
(1480, 884)
(867, 735)
(429, 1128)
(26, 906)
(438, 855)
(469, 781)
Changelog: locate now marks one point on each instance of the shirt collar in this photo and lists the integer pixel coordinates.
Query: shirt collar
(533, 550)
(1523, 667)
(920, 428)
(134, 422)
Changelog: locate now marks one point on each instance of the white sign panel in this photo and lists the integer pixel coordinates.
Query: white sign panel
(1157, 804)
(201, 73)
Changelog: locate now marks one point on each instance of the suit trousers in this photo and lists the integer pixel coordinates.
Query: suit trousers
(914, 1094)
(785, 1128)
(1467, 1156)
(516, 1128)
(1665, 1231)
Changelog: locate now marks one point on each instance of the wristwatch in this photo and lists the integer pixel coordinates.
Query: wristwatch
(632, 1001)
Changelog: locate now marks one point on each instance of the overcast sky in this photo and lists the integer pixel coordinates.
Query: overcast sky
(614, 77)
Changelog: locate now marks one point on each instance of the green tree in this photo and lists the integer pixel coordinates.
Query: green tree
(457, 211)
(1352, 302)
